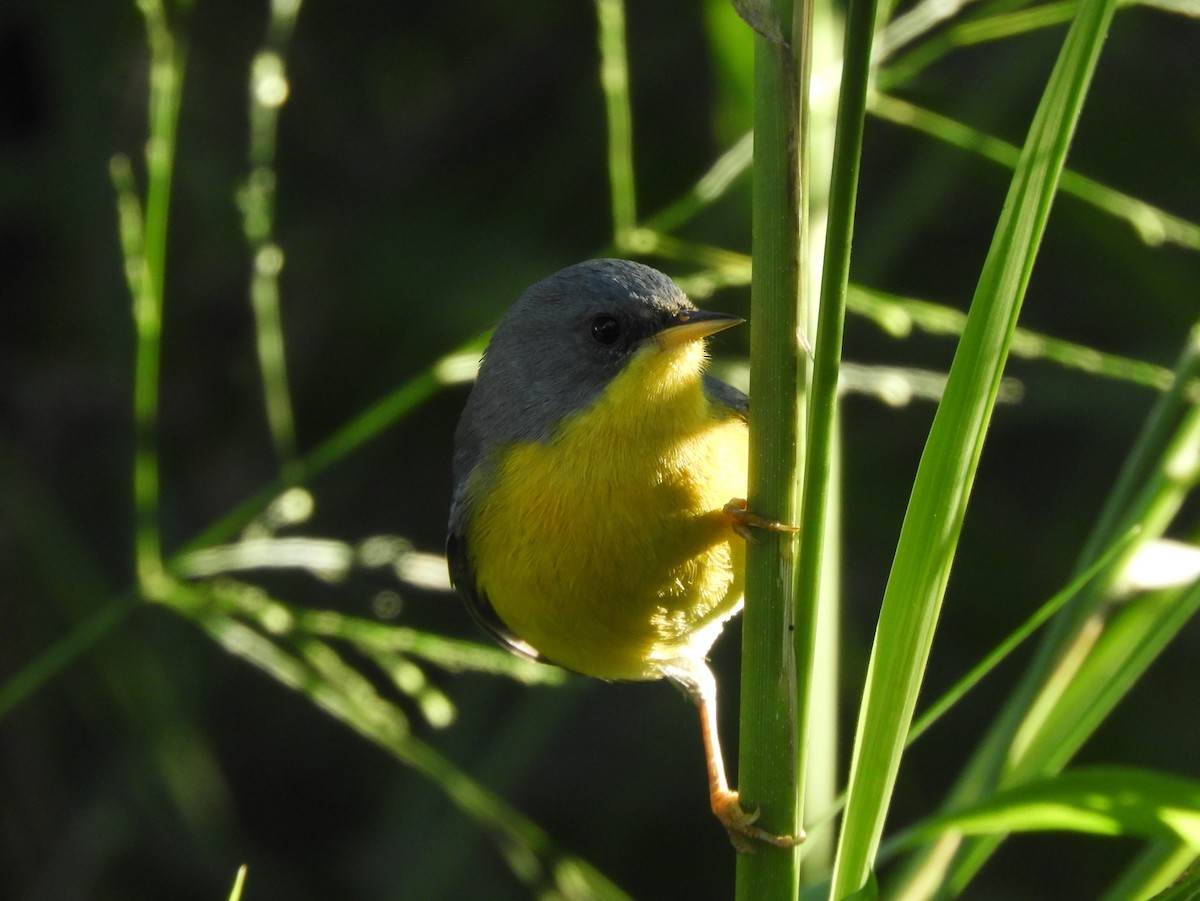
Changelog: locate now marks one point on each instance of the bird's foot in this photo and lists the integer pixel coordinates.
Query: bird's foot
(745, 522)
(743, 834)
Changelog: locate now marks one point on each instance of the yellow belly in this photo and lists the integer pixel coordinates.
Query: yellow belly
(606, 548)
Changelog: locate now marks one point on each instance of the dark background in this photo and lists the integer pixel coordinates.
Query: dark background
(433, 160)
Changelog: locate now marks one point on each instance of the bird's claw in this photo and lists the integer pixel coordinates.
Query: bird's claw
(745, 522)
(743, 834)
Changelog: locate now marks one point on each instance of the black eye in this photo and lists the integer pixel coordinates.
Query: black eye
(606, 329)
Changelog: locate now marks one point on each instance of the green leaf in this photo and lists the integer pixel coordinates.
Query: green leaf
(1097, 800)
(239, 883)
(1161, 867)
(1186, 889)
(869, 890)
(1179, 7)
(929, 535)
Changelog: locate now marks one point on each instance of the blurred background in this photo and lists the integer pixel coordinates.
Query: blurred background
(433, 160)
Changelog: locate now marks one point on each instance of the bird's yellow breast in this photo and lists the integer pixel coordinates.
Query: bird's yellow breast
(606, 548)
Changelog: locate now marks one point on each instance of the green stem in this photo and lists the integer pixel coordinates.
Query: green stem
(815, 566)
(1156, 867)
(360, 430)
(64, 652)
(166, 82)
(338, 689)
(768, 765)
(1153, 225)
(268, 93)
(614, 80)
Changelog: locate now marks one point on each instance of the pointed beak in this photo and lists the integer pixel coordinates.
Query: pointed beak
(689, 325)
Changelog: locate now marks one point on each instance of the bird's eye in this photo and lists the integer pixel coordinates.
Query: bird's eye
(606, 329)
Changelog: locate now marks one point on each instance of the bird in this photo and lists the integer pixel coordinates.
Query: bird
(598, 520)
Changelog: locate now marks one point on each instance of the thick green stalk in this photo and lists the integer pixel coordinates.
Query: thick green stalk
(768, 763)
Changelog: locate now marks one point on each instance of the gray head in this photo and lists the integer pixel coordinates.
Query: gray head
(559, 345)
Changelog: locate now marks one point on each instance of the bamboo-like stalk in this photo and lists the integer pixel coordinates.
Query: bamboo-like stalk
(768, 773)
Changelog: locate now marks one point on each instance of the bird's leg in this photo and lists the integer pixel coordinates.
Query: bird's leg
(745, 522)
(738, 822)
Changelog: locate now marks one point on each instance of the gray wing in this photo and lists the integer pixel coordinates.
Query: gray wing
(462, 577)
(726, 395)
(458, 558)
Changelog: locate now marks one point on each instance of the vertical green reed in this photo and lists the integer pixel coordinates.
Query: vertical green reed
(815, 602)
(768, 776)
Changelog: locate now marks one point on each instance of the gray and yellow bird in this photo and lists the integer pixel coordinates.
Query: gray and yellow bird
(596, 520)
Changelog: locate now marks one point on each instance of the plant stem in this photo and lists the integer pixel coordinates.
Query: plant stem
(815, 566)
(768, 770)
(147, 276)
(614, 80)
(268, 92)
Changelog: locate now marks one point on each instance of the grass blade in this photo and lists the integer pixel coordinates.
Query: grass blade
(916, 585)
(1144, 496)
(1153, 225)
(1161, 863)
(994, 658)
(318, 672)
(1128, 644)
(1185, 888)
(239, 883)
(1098, 800)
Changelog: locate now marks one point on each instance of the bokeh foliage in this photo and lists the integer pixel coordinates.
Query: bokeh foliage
(429, 163)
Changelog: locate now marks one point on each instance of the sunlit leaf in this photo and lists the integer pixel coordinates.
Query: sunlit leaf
(1099, 800)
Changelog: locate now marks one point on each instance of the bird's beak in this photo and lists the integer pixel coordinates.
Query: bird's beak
(688, 325)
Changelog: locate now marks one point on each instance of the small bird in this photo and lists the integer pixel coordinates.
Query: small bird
(597, 520)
